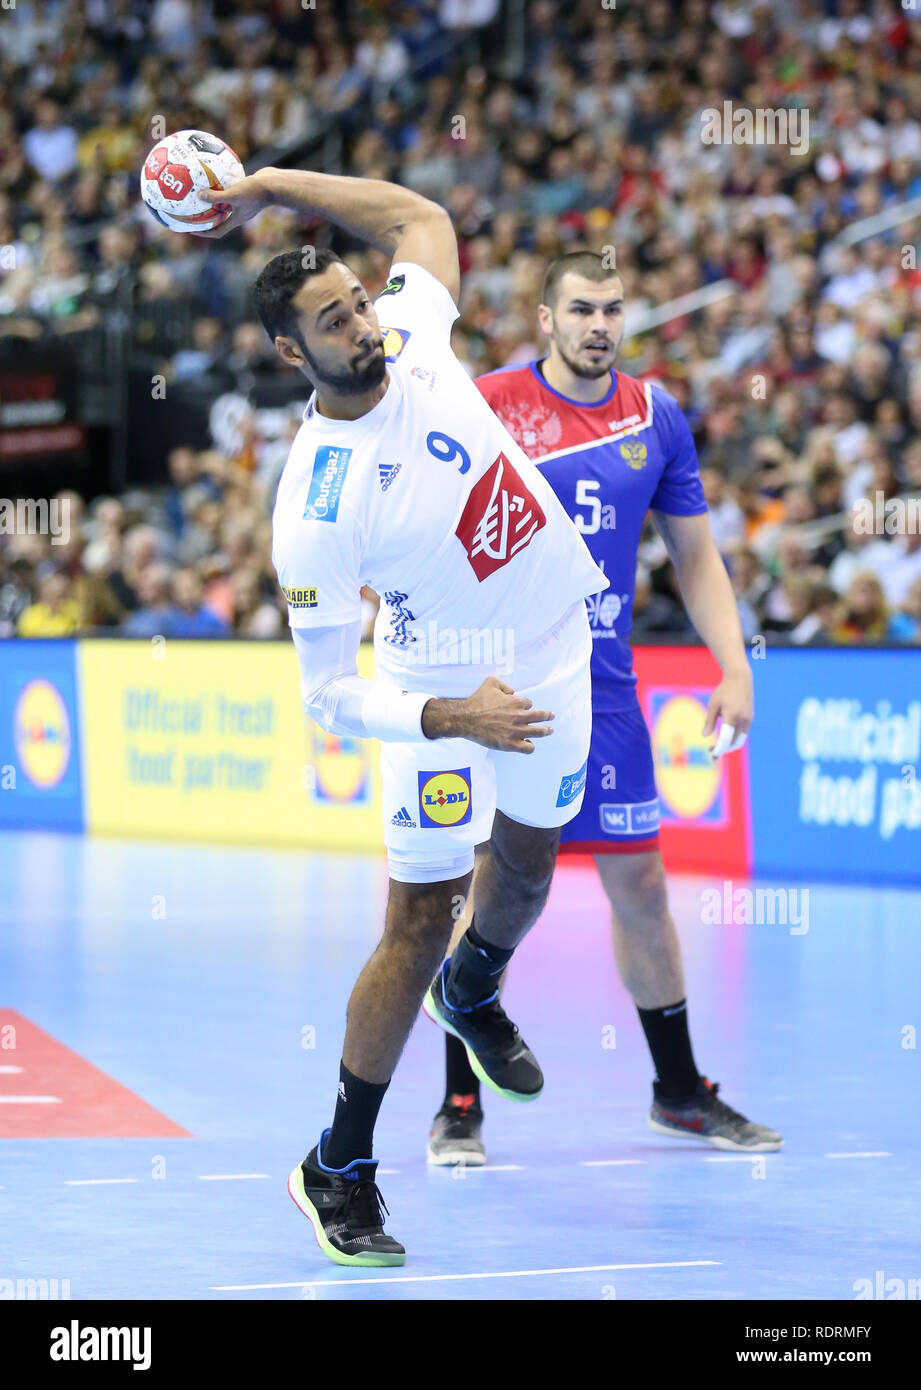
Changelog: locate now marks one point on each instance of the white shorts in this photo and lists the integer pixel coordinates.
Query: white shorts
(440, 797)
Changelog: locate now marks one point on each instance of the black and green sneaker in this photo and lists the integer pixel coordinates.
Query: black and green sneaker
(496, 1051)
(344, 1207)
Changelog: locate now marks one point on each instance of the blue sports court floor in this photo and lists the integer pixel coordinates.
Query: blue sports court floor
(212, 982)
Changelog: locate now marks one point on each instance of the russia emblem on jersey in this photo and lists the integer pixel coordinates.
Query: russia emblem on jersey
(500, 518)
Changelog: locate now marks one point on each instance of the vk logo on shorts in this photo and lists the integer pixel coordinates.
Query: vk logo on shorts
(572, 786)
(329, 469)
(641, 818)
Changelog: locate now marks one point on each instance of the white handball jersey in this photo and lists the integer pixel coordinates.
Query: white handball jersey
(427, 499)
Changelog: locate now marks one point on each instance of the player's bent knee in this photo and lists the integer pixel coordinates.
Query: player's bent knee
(525, 860)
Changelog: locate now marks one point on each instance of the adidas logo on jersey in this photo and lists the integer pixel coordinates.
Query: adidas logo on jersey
(404, 819)
(387, 472)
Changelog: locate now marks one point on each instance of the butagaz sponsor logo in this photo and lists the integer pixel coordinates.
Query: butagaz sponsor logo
(386, 473)
(882, 1287)
(870, 743)
(747, 907)
(632, 818)
(765, 125)
(300, 598)
(330, 466)
(76, 1343)
(404, 819)
(572, 786)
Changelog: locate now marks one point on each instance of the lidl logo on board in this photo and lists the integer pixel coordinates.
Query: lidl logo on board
(395, 340)
(41, 731)
(342, 769)
(444, 798)
(690, 781)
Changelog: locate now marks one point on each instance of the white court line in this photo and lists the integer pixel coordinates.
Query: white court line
(442, 1278)
(10, 1071)
(734, 1158)
(30, 1100)
(387, 1172)
(610, 1162)
(492, 1167)
(872, 1153)
(229, 1177)
(96, 1182)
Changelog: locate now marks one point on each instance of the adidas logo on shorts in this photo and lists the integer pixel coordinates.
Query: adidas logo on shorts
(387, 472)
(403, 818)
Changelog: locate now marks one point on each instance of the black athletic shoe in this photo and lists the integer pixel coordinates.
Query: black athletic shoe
(455, 1135)
(707, 1117)
(344, 1207)
(496, 1051)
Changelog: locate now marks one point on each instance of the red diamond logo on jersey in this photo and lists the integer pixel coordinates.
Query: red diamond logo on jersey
(500, 518)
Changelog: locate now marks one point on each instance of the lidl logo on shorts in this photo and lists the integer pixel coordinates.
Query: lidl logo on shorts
(41, 731)
(330, 466)
(690, 782)
(444, 798)
(395, 340)
(300, 598)
(572, 785)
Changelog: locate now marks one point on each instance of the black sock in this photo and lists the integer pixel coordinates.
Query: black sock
(475, 970)
(459, 1075)
(352, 1133)
(670, 1044)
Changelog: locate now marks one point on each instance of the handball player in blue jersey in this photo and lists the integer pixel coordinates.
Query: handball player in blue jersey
(614, 448)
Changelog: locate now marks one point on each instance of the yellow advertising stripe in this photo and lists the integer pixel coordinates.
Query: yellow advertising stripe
(210, 741)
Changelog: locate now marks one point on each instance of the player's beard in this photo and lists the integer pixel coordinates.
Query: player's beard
(347, 381)
(589, 371)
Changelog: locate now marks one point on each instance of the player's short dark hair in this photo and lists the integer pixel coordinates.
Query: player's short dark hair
(279, 282)
(586, 263)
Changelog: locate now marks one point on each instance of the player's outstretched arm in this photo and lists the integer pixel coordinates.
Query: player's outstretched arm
(713, 610)
(404, 225)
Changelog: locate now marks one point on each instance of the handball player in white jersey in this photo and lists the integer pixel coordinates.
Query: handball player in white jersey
(402, 478)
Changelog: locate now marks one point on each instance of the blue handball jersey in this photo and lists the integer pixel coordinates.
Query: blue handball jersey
(608, 463)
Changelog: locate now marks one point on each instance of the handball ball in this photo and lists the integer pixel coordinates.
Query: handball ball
(174, 171)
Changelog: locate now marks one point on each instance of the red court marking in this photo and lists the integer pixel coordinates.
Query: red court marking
(92, 1105)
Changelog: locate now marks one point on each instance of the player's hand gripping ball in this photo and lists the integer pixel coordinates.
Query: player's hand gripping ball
(176, 169)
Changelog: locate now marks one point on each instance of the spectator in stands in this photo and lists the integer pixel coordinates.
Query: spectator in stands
(55, 613)
(867, 617)
(189, 616)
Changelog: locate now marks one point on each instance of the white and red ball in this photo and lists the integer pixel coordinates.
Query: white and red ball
(176, 169)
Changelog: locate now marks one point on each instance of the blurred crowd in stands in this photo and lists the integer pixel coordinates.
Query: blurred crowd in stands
(543, 127)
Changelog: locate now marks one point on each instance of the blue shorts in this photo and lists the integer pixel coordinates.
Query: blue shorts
(620, 808)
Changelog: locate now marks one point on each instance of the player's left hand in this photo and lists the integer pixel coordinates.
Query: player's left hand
(733, 703)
